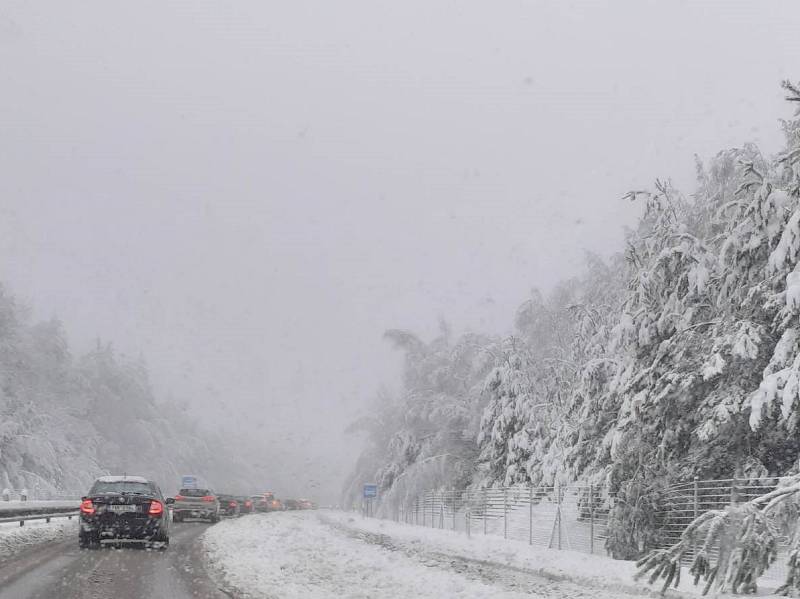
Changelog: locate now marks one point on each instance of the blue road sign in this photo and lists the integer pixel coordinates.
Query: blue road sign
(370, 491)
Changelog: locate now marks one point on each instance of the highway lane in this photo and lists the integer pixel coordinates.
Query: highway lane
(62, 571)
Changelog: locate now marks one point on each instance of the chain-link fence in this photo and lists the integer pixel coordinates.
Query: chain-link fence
(566, 517)
(685, 502)
(574, 517)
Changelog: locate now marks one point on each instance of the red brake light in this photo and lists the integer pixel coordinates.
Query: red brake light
(208, 498)
(87, 507)
(232, 504)
(178, 497)
(248, 503)
(156, 508)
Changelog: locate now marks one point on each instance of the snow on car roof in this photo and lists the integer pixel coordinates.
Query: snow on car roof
(122, 479)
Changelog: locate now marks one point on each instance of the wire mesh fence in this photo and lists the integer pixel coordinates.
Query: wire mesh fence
(685, 502)
(566, 517)
(575, 517)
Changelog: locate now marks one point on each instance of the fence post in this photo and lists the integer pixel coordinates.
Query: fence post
(454, 511)
(485, 507)
(505, 513)
(530, 515)
(696, 508)
(558, 491)
(591, 519)
(441, 510)
(466, 516)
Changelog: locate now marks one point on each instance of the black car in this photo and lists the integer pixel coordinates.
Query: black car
(246, 505)
(124, 509)
(228, 505)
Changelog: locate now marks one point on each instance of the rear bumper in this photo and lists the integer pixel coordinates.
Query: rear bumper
(136, 530)
(193, 512)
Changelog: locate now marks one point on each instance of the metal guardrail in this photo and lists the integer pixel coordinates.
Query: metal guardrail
(22, 518)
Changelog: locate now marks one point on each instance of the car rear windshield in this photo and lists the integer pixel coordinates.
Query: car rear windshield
(194, 492)
(101, 488)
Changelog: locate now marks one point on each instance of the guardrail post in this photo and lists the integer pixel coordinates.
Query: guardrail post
(22, 522)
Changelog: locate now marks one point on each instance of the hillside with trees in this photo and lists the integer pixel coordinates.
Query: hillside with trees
(66, 419)
(677, 357)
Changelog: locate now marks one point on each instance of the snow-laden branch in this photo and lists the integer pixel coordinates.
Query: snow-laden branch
(746, 538)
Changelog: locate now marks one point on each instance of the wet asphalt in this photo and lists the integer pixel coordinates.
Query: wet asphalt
(63, 571)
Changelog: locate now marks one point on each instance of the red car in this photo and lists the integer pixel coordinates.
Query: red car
(246, 505)
(261, 501)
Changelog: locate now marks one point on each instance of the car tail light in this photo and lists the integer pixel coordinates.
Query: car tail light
(248, 503)
(232, 504)
(208, 498)
(87, 507)
(178, 497)
(156, 508)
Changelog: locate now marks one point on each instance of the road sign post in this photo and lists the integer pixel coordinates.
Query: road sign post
(370, 493)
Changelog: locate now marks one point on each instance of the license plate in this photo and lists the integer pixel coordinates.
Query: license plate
(122, 508)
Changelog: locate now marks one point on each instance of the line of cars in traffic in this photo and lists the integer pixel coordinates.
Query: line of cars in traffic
(204, 504)
(122, 509)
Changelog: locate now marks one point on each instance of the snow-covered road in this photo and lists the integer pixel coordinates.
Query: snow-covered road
(318, 555)
(47, 564)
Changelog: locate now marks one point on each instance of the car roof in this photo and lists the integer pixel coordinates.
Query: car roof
(123, 479)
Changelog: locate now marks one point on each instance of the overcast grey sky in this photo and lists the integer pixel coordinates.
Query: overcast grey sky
(249, 193)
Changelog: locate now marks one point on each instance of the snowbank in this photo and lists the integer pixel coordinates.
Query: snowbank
(593, 571)
(323, 555)
(295, 555)
(15, 538)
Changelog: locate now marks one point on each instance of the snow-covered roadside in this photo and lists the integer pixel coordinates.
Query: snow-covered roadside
(15, 538)
(295, 555)
(309, 555)
(593, 571)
